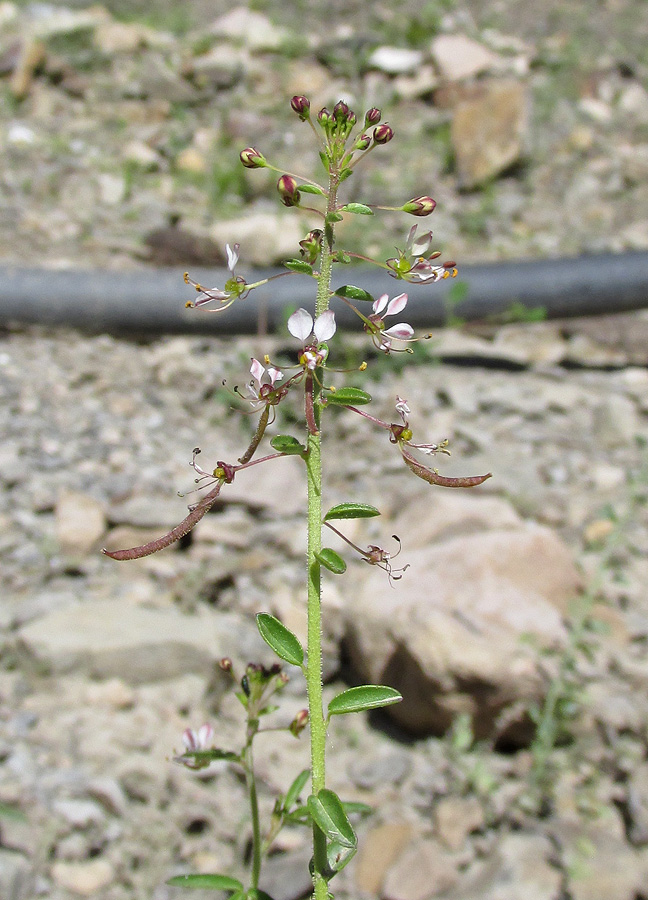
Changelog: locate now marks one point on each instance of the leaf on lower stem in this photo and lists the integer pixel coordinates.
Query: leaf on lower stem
(286, 443)
(366, 696)
(328, 813)
(348, 396)
(295, 789)
(280, 639)
(213, 882)
(351, 511)
(331, 561)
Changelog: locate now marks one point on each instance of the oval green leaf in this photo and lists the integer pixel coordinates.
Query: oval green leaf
(333, 217)
(214, 882)
(348, 396)
(298, 265)
(286, 443)
(328, 813)
(331, 561)
(200, 759)
(358, 209)
(281, 639)
(351, 511)
(338, 856)
(351, 292)
(311, 189)
(295, 789)
(366, 696)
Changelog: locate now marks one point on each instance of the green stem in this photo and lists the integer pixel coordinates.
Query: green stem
(254, 807)
(314, 665)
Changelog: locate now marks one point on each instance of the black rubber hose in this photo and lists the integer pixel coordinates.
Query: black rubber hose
(142, 302)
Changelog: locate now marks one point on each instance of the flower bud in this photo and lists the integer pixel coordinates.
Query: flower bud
(383, 133)
(372, 117)
(301, 105)
(420, 206)
(299, 722)
(287, 187)
(252, 159)
(363, 142)
(340, 111)
(226, 664)
(311, 245)
(324, 117)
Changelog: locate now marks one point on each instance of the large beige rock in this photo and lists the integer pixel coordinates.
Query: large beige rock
(489, 131)
(80, 522)
(451, 635)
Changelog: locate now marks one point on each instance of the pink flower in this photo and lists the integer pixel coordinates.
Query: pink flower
(265, 381)
(382, 308)
(235, 287)
(415, 265)
(312, 335)
(198, 740)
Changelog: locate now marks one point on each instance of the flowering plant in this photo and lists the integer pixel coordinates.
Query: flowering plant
(341, 150)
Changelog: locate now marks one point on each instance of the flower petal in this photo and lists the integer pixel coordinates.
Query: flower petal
(380, 303)
(396, 305)
(402, 331)
(257, 370)
(300, 325)
(205, 735)
(232, 255)
(274, 375)
(325, 326)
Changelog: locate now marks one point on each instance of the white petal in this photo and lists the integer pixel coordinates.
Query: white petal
(402, 408)
(325, 325)
(274, 375)
(300, 325)
(422, 244)
(380, 304)
(397, 305)
(401, 332)
(190, 739)
(232, 255)
(205, 736)
(256, 370)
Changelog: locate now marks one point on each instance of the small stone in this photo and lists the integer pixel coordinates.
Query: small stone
(378, 850)
(252, 29)
(615, 422)
(265, 239)
(112, 188)
(16, 875)
(424, 870)
(456, 818)
(79, 813)
(119, 37)
(222, 67)
(458, 57)
(20, 134)
(489, 132)
(84, 878)
(191, 160)
(140, 153)
(598, 531)
(395, 60)
(80, 522)
(113, 693)
(391, 768)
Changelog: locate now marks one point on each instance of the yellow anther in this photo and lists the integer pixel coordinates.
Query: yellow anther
(332, 389)
(186, 277)
(189, 304)
(266, 360)
(199, 288)
(362, 367)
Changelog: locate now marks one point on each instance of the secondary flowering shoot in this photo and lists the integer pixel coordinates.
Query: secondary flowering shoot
(376, 556)
(235, 287)
(415, 262)
(312, 335)
(375, 326)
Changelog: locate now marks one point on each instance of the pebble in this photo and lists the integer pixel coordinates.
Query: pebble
(83, 878)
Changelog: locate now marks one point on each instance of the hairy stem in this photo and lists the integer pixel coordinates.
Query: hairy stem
(314, 666)
(254, 809)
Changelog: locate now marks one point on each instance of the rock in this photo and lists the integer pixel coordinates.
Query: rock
(601, 866)
(83, 878)
(285, 876)
(191, 160)
(112, 188)
(30, 57)
(117, 639)
(455, 818)
(615, 422)
(432, 637)
(458, 56)
(222, 67)
(265, 238)
(378, 850)
(252, 29)
(140, 153)
(80, 522)
(423, 870)
(637, 806)
(79, 813)
(420, 83)
(598, 531)
(16, 876)
(127, 37)
(389, 768)
(518, 868)
(489, 133)
(395, 60)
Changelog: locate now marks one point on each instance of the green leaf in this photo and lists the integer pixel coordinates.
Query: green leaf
(295, 789)
(200, 759)
(331, 561)
(348, 396)
(328, 813)
(333, 217)
(12, 812)
(281, 639)
(311, 189)
(299, 265)
(358, 209)
(286, 443)
(352, 807)
(299, 816)
(351, 292)
(366, 696)
(351, 511)
(214, 882)
(344, 174)
(338, 856)
(256, 894)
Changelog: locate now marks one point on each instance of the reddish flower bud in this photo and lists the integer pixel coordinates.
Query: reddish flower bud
(420, 206)
(324, 117)
(340, 111)
(363, 142)
(287, 187)
(252, 159)
(226, 664)
(372, 117)
(301, 105)
(299, 722)
(383, 133)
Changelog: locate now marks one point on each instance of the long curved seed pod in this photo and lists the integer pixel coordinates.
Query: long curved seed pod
(175, 534)
(433, 477)
(258, 434)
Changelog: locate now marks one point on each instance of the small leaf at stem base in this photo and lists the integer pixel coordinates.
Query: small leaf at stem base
(328, 814)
